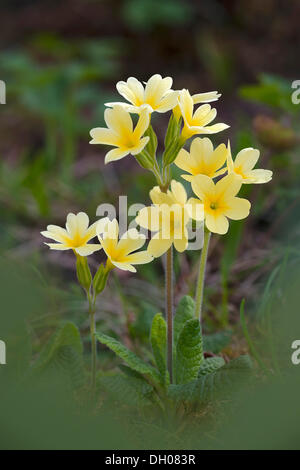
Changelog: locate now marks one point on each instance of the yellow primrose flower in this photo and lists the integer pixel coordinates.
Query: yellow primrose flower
(220, 201)
(202, 159)
(157, 94)
(197, 122)
(169, 217)
(207, 97)
(120, 253)
(243, 166)
(120, 133)
(75, 236)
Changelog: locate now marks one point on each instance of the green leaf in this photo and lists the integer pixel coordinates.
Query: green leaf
(158, 338)
(189, 353)
(185, 311)
(211, 364)
(63, 351)
(130, 372)
(67, 335)
(216, 342)
(127, 390)
(128, 356)
(220, 382)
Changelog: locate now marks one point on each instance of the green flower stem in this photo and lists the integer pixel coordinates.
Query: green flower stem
(169, 310)
(201, 275)
(169, 296)
(92, 310)
(156, 172)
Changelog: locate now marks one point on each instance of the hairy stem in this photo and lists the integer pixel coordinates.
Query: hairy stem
(93, 339)
(169, 310)
(201, 275)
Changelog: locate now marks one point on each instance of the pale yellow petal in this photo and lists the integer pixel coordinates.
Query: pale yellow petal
(102, 135)
(101, 225)
(228, 186)
(186, 105)
(188, 178)
(181, 244)
(238, 209)
(158, 245)
(164, 86)
(149, 218)
(202, 186)
(123, 266)
(109, 238)
(158, 197)
(195, 208)
(141, 257)
(246, 159)
(156, 88)
(183, 160)
(203, 114)
(167, 103)
(118, 119)
(58, 246)
(206, 97)
(130, 108)
(230, 164)
(115, 154)
(214, 129)
(179, 192)
(258, 176)
(56, 233)
(82, 222)
(88, 249)
(132, 90)
(130, 241)
(140, 146)
(218, 158)
(71, 225)
(217, 223)
(201, 151)
(112, 229)
(143, 123)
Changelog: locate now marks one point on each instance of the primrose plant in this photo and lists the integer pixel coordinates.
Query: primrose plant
(179, 364)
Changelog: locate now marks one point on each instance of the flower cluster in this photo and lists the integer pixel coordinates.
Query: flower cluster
(168, 217)
(213, 176)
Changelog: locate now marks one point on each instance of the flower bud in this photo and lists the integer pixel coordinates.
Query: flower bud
(100, 279)
(152, 144)
(145, 160)
(83, 272)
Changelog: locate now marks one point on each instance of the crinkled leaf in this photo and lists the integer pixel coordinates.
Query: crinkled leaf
(158, 338)
(189, 353)
(128, 356)
(207, 387)
(210, 365)
(185, 311)
(127, 390)
(63, 352)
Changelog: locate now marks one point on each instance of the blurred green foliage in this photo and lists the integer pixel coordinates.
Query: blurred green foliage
(57, 83)
(144, 15)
